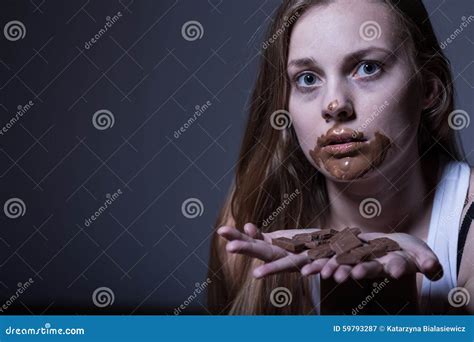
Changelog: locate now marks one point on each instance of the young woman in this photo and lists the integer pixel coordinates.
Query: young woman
(367, 99)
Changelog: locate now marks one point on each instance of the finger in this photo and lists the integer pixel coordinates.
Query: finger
(231, 234)
(432, 269)
(260, 250)
(251, 230)
(329, 268)
(370, 236)
(426, 260)
(397, 266)
(289, 263)
(315, 267)
(367, 270)
(342, 273)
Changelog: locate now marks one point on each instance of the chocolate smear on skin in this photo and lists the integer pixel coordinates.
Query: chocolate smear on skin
(366, 155)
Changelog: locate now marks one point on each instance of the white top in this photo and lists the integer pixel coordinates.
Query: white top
(443, 235)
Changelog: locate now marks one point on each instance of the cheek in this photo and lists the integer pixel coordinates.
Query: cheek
(408, 107)
(308, 125)
(394, 108)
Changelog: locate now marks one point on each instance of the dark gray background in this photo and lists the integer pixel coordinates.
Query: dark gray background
(151, 79)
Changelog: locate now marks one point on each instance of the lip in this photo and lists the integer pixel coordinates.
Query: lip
(341, 141)
(341, 136)
(343, 149)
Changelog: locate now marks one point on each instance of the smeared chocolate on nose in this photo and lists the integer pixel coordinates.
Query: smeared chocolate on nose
(363, 157)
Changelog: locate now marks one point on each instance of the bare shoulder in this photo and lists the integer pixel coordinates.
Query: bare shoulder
(469, 196)
(470, 191)
(466, 271)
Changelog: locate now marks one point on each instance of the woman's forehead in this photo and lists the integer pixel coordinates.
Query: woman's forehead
(339, 28)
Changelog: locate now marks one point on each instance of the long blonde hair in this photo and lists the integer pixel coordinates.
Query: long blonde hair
(272, 165)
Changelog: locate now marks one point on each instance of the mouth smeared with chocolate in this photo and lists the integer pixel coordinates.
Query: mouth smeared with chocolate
(346, 154)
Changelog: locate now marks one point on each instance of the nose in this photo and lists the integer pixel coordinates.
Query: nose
(337, 107)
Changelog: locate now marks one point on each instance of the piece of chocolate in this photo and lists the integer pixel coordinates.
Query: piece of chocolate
(336, 236)
(315, 244)
(289, 244)
(324, 234)
(348, 258)
(388, 244)
(322, 251)
(360, 254)
(305, 237)
(377, 252)
(344, 241)
(311, 245)
(356, 231)
(369, 252)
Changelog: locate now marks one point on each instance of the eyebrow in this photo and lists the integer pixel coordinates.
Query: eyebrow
(309, 61)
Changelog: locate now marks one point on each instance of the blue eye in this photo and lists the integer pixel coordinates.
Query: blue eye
(367, 69)
(308, 80)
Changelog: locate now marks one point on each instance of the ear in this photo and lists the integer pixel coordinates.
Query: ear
(432, 91)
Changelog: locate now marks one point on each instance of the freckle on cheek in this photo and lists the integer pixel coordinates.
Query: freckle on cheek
(369, 156)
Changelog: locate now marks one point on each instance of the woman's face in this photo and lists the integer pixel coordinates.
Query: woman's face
(354, 101)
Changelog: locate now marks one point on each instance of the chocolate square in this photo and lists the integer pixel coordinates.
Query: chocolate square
(356, 231)
(323, 234)
(348, 258)
(388, 244)
(322, 251)
(305, 237)
(344, 241)
(316, 243)
(289, 244)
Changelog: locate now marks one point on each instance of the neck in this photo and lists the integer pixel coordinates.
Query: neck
(399, 194)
